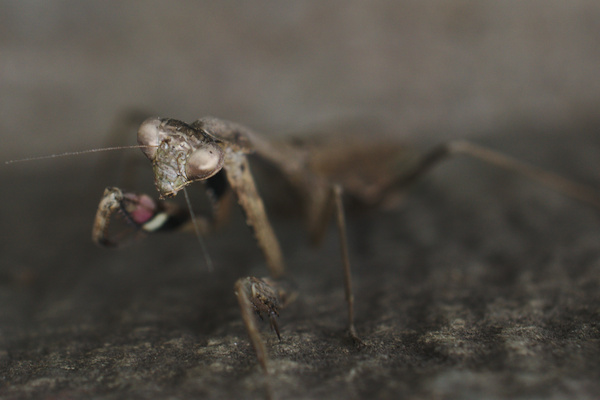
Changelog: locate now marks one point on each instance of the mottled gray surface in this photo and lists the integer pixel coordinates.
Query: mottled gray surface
(481, 286)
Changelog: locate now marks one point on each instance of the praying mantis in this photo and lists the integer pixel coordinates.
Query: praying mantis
(323, 171)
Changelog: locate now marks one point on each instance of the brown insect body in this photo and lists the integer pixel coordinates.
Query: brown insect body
(363, 167)
(320, 170)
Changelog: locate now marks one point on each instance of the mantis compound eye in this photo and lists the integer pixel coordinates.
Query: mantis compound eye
(149, 134)
(204, 162)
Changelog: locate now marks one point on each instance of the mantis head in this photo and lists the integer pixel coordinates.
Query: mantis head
(180, 154)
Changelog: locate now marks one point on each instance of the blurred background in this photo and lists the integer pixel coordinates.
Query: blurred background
(68, 68)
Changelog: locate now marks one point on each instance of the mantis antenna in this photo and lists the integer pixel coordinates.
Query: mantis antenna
(77, 153)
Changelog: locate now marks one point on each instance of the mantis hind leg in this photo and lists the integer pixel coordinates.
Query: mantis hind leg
(447, 150)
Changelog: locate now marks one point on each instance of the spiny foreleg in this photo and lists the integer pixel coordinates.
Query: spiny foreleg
(142, 214)
(262, 297)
